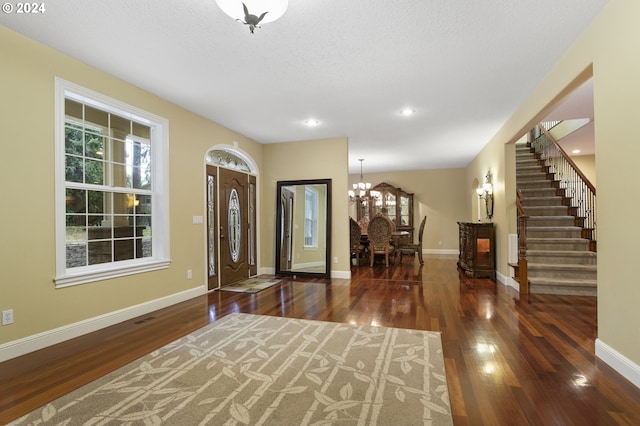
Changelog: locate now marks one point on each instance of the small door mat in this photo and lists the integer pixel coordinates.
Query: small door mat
(250, 285)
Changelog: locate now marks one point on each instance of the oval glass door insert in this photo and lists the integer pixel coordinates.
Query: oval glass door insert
(235, 226)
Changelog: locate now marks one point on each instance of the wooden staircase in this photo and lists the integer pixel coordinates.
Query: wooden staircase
(560, 260)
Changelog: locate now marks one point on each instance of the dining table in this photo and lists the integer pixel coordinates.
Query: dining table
(396, 237)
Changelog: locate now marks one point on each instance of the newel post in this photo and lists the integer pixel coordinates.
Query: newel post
(522, 255)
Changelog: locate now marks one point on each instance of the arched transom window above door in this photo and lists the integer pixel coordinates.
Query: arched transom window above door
(228, 159)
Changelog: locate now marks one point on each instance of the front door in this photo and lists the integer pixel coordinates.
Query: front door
(234, 223)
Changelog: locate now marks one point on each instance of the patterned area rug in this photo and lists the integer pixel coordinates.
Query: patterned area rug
(261, 370)
(250, 285)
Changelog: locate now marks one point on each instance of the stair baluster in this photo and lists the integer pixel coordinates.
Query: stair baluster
(554, 254)
(576, 187)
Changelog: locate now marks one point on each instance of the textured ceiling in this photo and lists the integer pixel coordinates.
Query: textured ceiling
(464, 66)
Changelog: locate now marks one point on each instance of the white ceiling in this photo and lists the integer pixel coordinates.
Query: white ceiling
(464, 66)
(579, 104)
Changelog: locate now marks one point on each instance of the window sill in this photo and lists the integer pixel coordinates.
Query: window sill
(106, 274)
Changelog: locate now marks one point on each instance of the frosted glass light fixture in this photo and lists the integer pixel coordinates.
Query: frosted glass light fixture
(254, 12)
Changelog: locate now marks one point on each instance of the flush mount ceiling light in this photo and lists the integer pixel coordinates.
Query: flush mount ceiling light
(253, 12)
(407, 112)
(311, 122)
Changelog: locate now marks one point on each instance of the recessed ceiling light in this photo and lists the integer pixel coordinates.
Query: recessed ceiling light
(576, 151)
(407, 112)
(311, 122)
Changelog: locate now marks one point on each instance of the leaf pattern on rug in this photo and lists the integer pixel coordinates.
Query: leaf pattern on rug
(252, 369)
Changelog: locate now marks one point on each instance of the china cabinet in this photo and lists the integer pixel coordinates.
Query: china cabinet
(394, 202)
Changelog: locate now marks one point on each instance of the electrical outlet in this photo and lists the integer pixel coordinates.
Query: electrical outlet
(7, 317)
(189, 274)
(335, 259)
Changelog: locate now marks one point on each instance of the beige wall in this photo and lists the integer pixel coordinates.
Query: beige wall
(319, 159)
(27, 255)
(608, 49)
(493, 159)
(440, 194)
(587, 165)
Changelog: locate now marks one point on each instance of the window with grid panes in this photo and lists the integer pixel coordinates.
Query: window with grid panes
(311, 218)
(111, 157)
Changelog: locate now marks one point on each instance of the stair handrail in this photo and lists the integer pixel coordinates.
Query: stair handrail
(569, 160)
(572, 180)
(523, 277)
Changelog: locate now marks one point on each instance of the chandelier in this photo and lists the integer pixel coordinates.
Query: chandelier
(253, 12)
(362, 190)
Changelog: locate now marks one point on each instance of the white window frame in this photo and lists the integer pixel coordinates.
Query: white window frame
(159, 137)
(313, 219)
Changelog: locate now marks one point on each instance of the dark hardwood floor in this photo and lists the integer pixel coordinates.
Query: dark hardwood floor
(510, 359)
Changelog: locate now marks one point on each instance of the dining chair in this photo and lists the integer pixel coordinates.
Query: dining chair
(412, 248)
(357, 249)
(379, 233)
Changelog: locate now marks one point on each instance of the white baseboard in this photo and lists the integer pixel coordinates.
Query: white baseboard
(341, 274)
(334, 274)
(507, 281)
(441, 252)
(623, 365)
(51, 337)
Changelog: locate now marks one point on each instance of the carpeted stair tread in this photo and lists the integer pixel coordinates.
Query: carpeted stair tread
(557, 240)
(553, 228)
(562, 257)
(563, 282)
(547, 191)
(544, 198)
(536, 221)
(550, 217)
(561, 253)
(564, 286)
(546, 210)
(561, 267)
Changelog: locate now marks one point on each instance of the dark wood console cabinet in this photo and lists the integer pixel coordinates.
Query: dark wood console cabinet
(477, 249)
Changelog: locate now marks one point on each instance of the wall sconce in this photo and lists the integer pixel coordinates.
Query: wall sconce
(485, 192)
